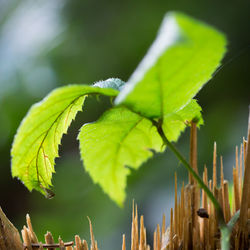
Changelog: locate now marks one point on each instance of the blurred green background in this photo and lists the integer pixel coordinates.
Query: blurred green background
(45, 44)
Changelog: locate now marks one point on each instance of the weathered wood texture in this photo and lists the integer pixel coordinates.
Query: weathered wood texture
(9, 236)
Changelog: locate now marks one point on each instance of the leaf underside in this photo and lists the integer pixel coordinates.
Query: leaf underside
(36, 143)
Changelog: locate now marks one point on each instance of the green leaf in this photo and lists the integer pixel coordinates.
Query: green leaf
(118, 140)
(35, 146)
(181, 60)
(122, 138)
(114, 83)
(175, 123)
(233, 220)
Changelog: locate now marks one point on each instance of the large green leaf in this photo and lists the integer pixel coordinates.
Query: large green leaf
(120, 138)
(181, 60)
(35, 146)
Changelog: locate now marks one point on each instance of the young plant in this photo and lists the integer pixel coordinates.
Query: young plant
(151, 110)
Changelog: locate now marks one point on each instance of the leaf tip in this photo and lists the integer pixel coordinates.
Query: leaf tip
(48, 193)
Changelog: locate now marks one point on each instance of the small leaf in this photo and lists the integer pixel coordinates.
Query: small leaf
(118, 140)
(175, 123)
(35, 146)
(233, 220)
(180, 61)
(114, 83)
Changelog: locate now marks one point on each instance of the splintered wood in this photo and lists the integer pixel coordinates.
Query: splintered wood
(30, 240)
(193, 221)
(9, 236)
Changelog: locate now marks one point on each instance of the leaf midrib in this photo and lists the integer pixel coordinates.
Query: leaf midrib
(119, 148)
(37, 154)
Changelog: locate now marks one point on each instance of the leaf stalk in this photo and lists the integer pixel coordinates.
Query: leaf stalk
(225, 229)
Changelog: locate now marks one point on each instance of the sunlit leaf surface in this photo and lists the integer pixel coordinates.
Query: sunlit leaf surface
(122, 139)
(35, 146)
(176, 122)
(118, 140)
(181, 60)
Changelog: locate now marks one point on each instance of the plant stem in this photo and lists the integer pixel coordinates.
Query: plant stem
(225, 231)
(225, 238)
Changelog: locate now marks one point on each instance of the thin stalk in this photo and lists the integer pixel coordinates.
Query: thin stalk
(225, 231)
(225, 238)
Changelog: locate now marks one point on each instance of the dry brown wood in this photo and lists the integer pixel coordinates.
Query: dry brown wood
(142, 236)
(136, 227)
(158, 237)
(241, 167)
(214, 166)
(92, 237)
(9, 236)
(123, 242)
(26, 238)
(54, 245)
(193, 150)
(31, 232)
(163, 227)
(175, 206)
(236, 189)
(61, 244)
(155, 241)
(85, 245)
(171, 233)
(49, 240)
(245, 203)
